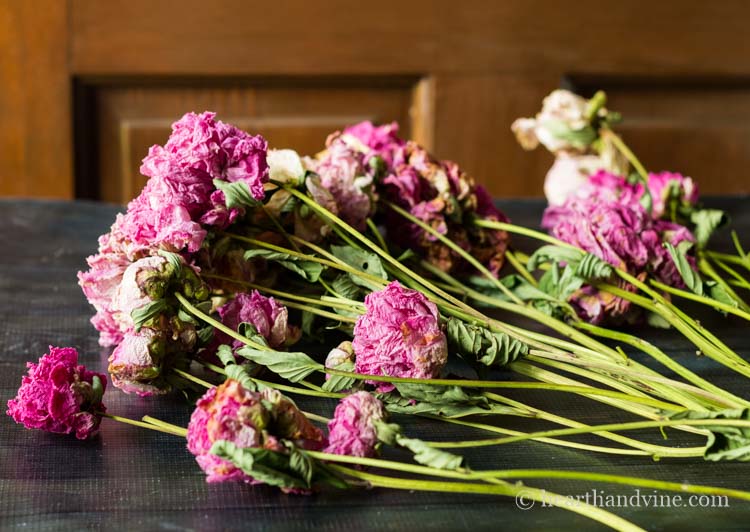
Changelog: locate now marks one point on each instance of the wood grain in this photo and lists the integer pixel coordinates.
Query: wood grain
(296, 114)
(35, 108)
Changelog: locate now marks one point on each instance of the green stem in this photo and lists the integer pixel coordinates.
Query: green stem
(627, 152)
(273, 292)
(457, 249)
(634, 425)
(508, 490)
(138, 423)
(718, 305)
(523, 272)
(192, 378)
(376, 233)
(175, 429)
(317, 311)
(738, 280)
(732, 259)
(552, 441)
(704, 266)
(723, 398)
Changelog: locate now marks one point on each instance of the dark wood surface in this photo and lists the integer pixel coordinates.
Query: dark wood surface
(89, 85)
(134, 479)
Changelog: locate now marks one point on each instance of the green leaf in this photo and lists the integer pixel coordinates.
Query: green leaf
(240, 374)
(657, 321)
(97, 389)
(301, 464)
(269, 467)
(555, 254)
(592, 267)
(724, 443)
(147, 312)
(205, 334)
(338, 383)
(249, 331)
(717, 292)
(307, 269)
(578, 138)
(345, 287)
(440, 395)
(691, 278)
(174, 259)
(236, 194)
(293, 366)
(705, 222)
(479, 344)
(391, 434)
(364, 261)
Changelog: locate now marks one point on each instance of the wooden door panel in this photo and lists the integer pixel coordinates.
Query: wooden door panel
(131, 119)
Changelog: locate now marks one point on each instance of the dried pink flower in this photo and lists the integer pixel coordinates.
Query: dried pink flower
(399, 335)
(442, 196)
(381, 141)
(269, 318)
(248, 419)
(342, 173)
(136, 363)
(60, 396)
(668, 187)
(352, 431)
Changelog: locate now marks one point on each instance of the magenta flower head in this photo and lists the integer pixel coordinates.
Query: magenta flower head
(353, 431)
(399, 335)
(343, 175)
(203, 146)
(671, 189)
(269, 318)
(59, 395)
(137, 363)
(379, 141)
(444, 197)
(248, 419)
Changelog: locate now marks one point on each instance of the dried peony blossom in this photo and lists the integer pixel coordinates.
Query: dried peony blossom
(561, 111)
(668, 188)
(136, 364)
(568, 174)
(285, 166)
(344, 352)
(444, 197)
(143, 281)
(201, 145)
(597, 307)
(248, 419)
(343, 175)
(352, 431)
(399, 335)
(60, 396)
(376, 141)
(269, 318)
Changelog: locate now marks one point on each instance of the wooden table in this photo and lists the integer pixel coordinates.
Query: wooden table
(136, 479)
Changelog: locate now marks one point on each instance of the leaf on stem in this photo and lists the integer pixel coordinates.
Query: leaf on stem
(236, 194)
(307, 269)
(705, 222)
(478, 344)
(339, 383)
(293, 366)
(724, 443)
(141, 316)
(270, 467)
(391, 434)
(364, 261)
(690, 277)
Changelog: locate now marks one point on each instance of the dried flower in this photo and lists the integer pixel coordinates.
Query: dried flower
(344, 352)
(60, 396)
(137, 363)
(671, 190)
(562, 111)
(248, 419)
(352, 431)
(568, 174)
(399, 335)
(343, 175)
(377, 141)
(444, 197)
(269, 318)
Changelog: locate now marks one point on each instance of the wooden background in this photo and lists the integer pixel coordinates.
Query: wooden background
(88, 85)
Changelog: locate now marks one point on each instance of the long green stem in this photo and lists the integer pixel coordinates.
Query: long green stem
(705, 267)
(724, 398)
(718, 305)
(634, 425)
(175, 429)
(141, 424)
(509, 490)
